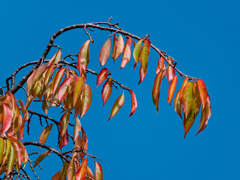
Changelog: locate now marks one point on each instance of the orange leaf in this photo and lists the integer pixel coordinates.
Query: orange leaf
(77, 128)
(134, 103)
(89, 173)
(56, 176)
(107, 90)
(105, 52)
(142, 74)
(24, 110)
(115, 42)
(156, 90)
(187, 98)
(48, 74)
(84, 141)
(177, 104)
(71, 170)
(126, 53)
(82, 171)
(83, 59)
(170, 71)
(56, 58)
(45, 133)
(119, 48)
(64, 123)
(57, 79)
(202, 92)
(86, 99)
(63, 89)
(171, 89)
(78, 84)
(134, 43)
(102, 76)
(117, 105)
(161, 65)
(98, 171)
(182, 87)
(6, 118)
(144, 55)
(5, 99)
(63, 141)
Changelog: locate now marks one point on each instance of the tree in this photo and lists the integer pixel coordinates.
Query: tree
(57, 82)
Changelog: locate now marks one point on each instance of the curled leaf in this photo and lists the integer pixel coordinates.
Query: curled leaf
(134, 103)
(117, 105)
(107, 90)
(102, 76)
(45, 133)
(171, 89)
(105, 52)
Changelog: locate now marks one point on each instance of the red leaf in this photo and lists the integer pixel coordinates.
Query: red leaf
(56, 58)
(56, 80)
(170, 71)
(45, 133)
(86, 99)
(78, 84)
(63, 89)
(171, 89)
(144, 55)
(77, 128)
(82, 171)
(105, 52)
(202, 92)
(117, 105)
(63, 141)
(161, 65)
(102, 76)
(98, 171)
(134, 103)
(126, 53)
(6, 118)
(107, 90)
(115, 42)
(156, 90)
(83, 59)
(142, 74)
(84, 141)
(119, 48)
(64, 123)
(24, 110)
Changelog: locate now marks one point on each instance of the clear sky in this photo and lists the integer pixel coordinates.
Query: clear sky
(203, 36)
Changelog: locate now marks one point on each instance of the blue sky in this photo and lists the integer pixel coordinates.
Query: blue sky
(203, 36)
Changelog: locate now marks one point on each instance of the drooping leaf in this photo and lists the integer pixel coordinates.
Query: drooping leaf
(144, 55)
(142, 74)
(13, 106)
(48, 74)
(188, 98)
(107, 90)
(126, 53)
(11, 160)
(63, 141)
(83, 59)
(177, 104)
(86, 99)
(71, 170)
(117, 105)
(78, 84)
(64, 171)
(120, 46)
(24, 110)
(82, 171)
(89, 174)
(18, 154)
(56, 58)
(63, 89)
(6, 118)
(105, 52)
(45, 133)
(57, 79)
(77, 128)
(1, 149)
(156, 90)
(182, 87)
(84, 141)
(5, 99)
(161, 65)
(202, 91)
(134, 43)
(134, 103)
(64, 123)
(7, 151)
(171, 89)
(136, 52)
(205, 115)
(170, 71)
(98, 171)
(102, 76)
(41, 157)
(34, 77)
(115, 42)
(56, 176)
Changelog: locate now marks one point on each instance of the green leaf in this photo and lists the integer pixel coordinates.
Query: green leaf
(136, 52)
(144, 55)
(41, 157)
(117, 105)
(45, 133)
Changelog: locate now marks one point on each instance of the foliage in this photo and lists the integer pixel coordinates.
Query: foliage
(55, 84)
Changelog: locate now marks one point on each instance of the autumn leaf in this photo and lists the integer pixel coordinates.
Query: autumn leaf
(64, 123)
(48, 74)
(156, 90)
(6, 118)
(134, 43)
(119, 48)
(177, 104)
(56, 58)
(24, 110)
(63, 141)
(105, 52)
(5, 99)
(170, 72)
(142, 74)
(126, 53)
(102, 76)
(202, 91)
(77, 128)
(117, 105)
(78, 84)
(2, 147)
(11, 160)
(56, 176)
(171, 89)
(82, 171)
(63, 89)
(144, 55)
(56, 80)
(84, 141)
(83, 59)
(136, 52)
(71, 170)
(187, 98)
(45, 133)
(161, 65)
(64, 171)
(115, 42)
(134, 103)
(107, 90)
(98, 171)
(86, 99)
